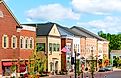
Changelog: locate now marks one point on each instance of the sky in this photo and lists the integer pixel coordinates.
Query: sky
(93, 15)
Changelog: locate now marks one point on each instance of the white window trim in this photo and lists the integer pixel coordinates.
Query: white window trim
(21, 37)
(12, 42)
(7, 41)
(28, 46)
(31, 38)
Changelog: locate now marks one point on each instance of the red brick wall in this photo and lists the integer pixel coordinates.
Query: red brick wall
(8, 27)
(83, 46)
(26, 53)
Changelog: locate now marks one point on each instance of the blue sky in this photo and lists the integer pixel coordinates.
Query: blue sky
(93, 15)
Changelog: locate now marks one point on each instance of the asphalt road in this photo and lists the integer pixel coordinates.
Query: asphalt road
(109, 74)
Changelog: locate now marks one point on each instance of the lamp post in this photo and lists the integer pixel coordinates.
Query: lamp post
(75, 62)
(92, 65)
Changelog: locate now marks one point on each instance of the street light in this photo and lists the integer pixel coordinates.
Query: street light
(92, 65)
(75, 62)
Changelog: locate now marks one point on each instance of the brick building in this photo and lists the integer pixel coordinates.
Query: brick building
(16, 43)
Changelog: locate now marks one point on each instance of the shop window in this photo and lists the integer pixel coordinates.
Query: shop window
(114, 57)
(7, 71)
(40, 47)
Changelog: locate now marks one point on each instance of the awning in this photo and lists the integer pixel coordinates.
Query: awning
(7, 63)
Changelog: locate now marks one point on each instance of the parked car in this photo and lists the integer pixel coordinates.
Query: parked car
(109, 68)
(102, 70)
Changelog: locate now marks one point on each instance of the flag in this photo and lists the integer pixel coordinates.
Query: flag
(65, 49)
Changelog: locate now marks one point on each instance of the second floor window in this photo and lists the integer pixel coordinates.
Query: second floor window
(54, 47)
(31, 43)
(50, 47)
(21, 42)
(58, 47)
(26, 43)
(14, 42)
(5, 41)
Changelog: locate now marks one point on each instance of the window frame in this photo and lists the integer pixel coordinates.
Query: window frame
(57, 47)
(14, 43)
(3, 42)
(21, 43)
(50, 47)
(26, 44)
(31, 45)
(54, 47)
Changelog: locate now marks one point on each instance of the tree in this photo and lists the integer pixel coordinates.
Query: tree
(37, 63)
(114, 40)
(116, 61)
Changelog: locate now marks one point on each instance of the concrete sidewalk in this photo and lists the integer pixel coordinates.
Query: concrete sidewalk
(58, 76)
(116, 69)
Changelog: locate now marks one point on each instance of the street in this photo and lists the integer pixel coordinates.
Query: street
(108, 74)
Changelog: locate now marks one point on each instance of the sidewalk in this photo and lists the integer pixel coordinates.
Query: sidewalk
(54, 76)
(116, 69)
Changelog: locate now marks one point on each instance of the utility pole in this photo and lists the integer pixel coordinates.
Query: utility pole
(75, 63)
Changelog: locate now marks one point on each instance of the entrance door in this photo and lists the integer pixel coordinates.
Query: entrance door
(56, 67)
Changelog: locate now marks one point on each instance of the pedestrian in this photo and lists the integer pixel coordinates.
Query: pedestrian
(87, 77)
(105, 76)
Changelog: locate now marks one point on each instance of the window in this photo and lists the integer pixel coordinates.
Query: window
(5, 41)
(31, 43)
(114, 57)
(21, 42)
(26, 43)
(78, 47)
(14, 42)
(120, 57)
(58, 47)
(54, 47)
(50, 47)
(40, 47)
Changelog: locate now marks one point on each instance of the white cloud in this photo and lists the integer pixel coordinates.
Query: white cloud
(97, 6)
(52, 12)
(109, 24)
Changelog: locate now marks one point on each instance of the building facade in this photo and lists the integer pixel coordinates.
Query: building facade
(48, 36)
(10, 41)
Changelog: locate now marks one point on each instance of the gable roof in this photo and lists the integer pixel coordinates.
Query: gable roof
(2, 1)
(71, 32)
(88, 32)
(42, 29)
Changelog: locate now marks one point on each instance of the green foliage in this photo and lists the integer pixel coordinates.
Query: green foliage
(37, 63)
(13, 68)
(114, 40)
(77, 65)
